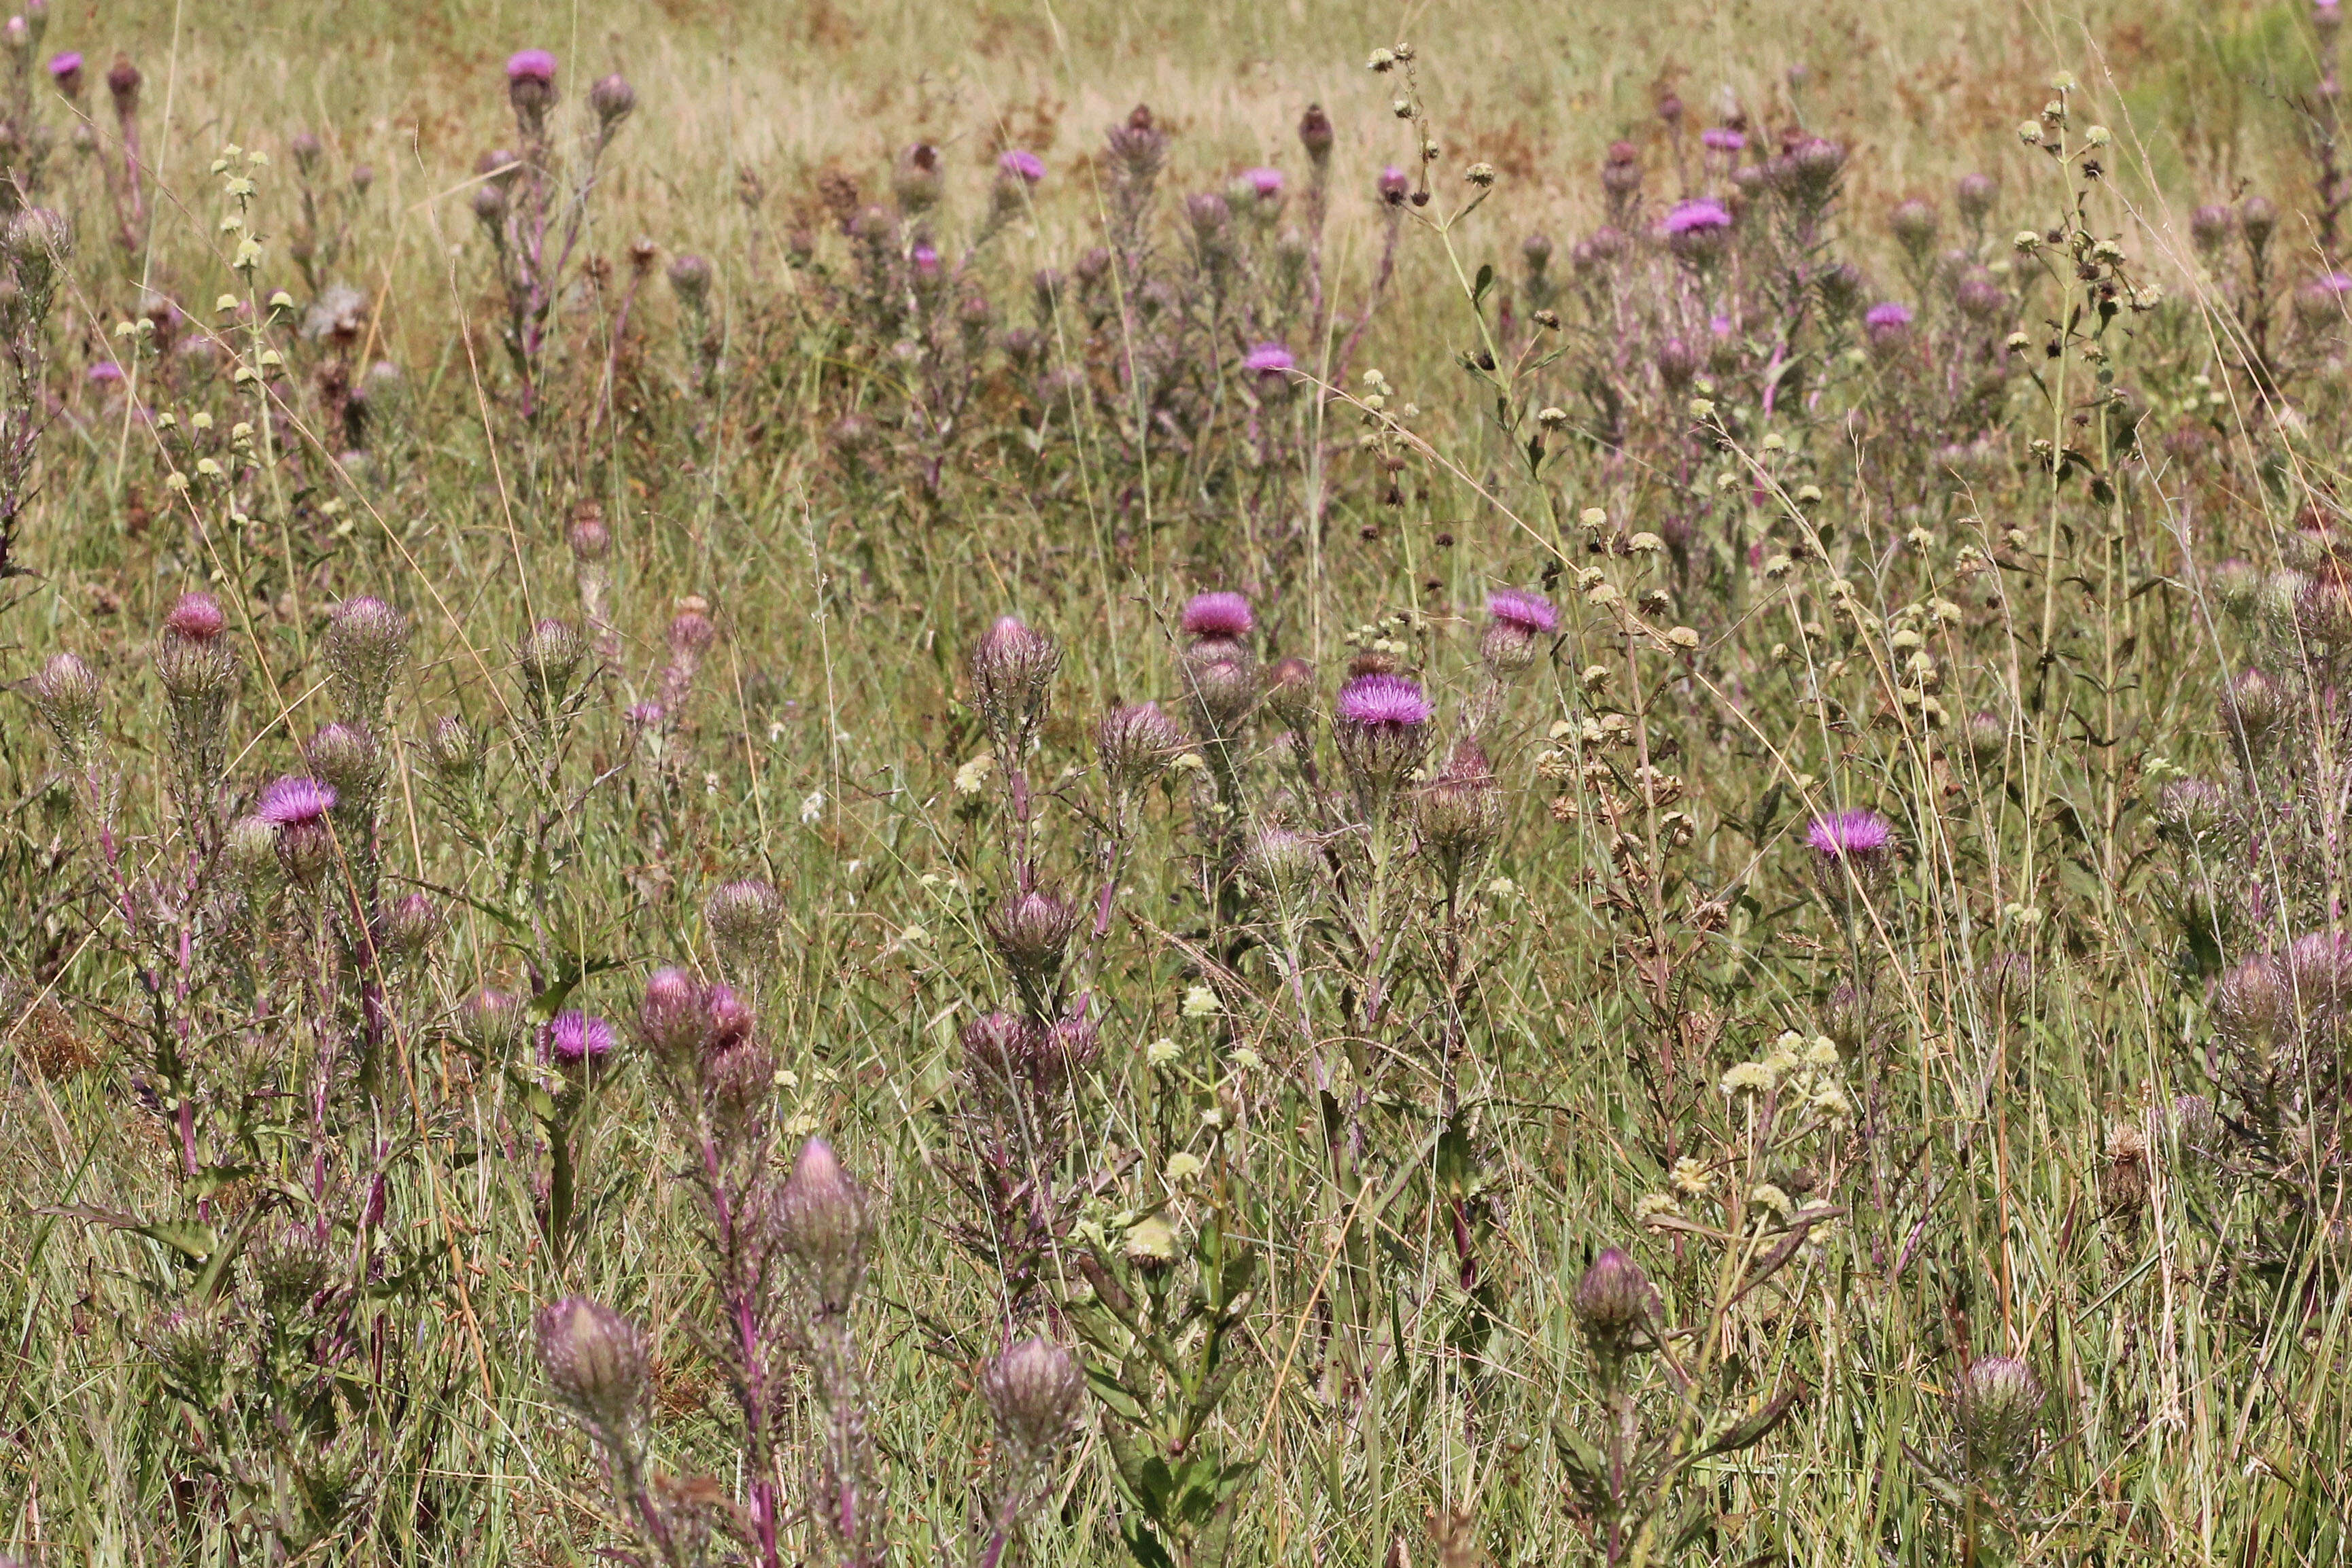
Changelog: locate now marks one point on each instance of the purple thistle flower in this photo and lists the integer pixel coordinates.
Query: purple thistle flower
(2333, 283)
(530, 65)
(197, 617)
(1530, 614)
(1697, 217)
(1266, 182)
(65, 69)
(1394, 183)
(1217, 615)
(1861, 836)
(1890, 316)
(575, 1036)
(1267, 359)
(1023, 165)
(106, 372)
(1389, 704)
(926, 260)
(1722, 139)
(295, 802)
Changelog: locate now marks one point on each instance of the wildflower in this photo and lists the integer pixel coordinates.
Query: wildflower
(1514, 619)
(1290, 691)
(1270, 362)
(1035, 1390)
(65, 69)
(1393, 185)
(1380, 721)
(1024, 166)
(972, 777)
(348, 761)
(2210, 227)
(410, 927)
(690, 280)
(1887, 324)
(1974, 197)
(66, 693)
(1697, 230)
(1722, 138)
(1264, 184)
(489, 1022)
(1220, 677)
(1315, 134)
(574, 1038)
(1224, 615)
(1285, 863)
(1858, 838)
(1751, 1077)
(598, 1364)
(531, 87)
(1182, 1169)
(1150, 1244)
(297, 808)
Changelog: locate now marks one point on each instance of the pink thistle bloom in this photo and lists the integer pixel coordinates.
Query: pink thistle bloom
(1023, 165)
(2333, 283)
(295, 802)
(65, 69)
(1217, 615)
(1266, 182)
(1267, 359)
(926, 260)
(1394, 183)
(576, 1037)
(1862, 836)
(1522, 612)
(106, 372)
(1696, 217)
(1722, 138)
(1391, 704)
(530, 65)
(1891, 317)
(197, 617)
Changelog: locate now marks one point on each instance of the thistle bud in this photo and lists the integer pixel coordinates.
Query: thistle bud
(453, 750)
(1035, 1391)
(488, 1024)
(2210, 227)
(598, 1366)
(1136, 745)
(1516, 620)
(290, 1267)
(347, 759)
(612, 99)
(998, 1049)
(1011, 671)
(196, 667)
(190, 1347)
(690, 280)
(1913, 224)
(673, 1018)
(66, 693)
(411, 926)
(743, 918)
(917, 181)
(824, 1223)
(2254, 1006)
(2191, 807)
(489, 206)
(122, 81)
(2256, 220)
(1974, 197)
(2255, 710)
(1460, 813)
(1290, 692)
(1220, 677)
(1988, 739)
(366, 639)
(1031, 932)
(548, 657)
(1315, 134)
(251, 851)
(1997, 1407)
(1614, 1301)
(1289, 865)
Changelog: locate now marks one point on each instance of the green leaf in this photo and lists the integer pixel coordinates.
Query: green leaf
(1485, 281)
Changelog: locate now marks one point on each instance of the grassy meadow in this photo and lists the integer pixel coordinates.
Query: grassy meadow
(1093, 783)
